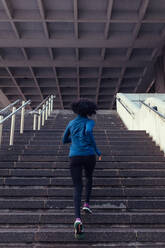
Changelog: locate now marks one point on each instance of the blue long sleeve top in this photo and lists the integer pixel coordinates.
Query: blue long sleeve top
(79, 133)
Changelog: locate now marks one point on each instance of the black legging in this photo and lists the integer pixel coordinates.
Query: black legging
(77, 164)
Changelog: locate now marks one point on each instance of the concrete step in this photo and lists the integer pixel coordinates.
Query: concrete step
(41, 191)
(100, 165)
(110, 142)
(107, 245)
(92, 236)
(44, 218)
(17, 133)
(113, 205)
(98, 173)
(64, 150)
(100, 140)
(97, 135)
(111, 145)
(59, 204)
(58, 150)
(18, 139)
(96, 132)
(53, 158)
(107, 152)
(97, 182)
(97, 129)
(61, 124)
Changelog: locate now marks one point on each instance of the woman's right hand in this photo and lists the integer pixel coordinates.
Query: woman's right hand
(100, 158)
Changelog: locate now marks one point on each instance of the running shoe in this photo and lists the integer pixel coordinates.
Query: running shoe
(78, 228)
(87, 209)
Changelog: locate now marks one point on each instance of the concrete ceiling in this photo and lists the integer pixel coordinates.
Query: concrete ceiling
(78, 48)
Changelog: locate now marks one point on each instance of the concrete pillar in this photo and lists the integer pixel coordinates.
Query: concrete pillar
(160, 75)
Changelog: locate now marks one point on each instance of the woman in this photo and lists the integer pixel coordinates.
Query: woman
(83, 150)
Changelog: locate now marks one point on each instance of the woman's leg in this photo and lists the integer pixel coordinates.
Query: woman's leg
(76, 173)
(89, 166)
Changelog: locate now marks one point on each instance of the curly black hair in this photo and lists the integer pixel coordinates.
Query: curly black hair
(84, 107)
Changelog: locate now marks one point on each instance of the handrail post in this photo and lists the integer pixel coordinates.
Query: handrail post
(46, 117)
(1, 128)
(22, 118)
(43, 114)
(52, 103)
(49, 107)
(45, 107)
(39, 119)
(34, 121)
(12, 129)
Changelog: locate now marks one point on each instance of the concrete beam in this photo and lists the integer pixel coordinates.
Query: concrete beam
(70, 63)
(150, 41)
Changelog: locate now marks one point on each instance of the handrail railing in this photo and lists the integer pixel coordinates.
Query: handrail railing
(131, 113)
(42, 111)
(9, 106)
(16, 110)
(12, 115)
(145, 104)
(35, 110)
(151, 108)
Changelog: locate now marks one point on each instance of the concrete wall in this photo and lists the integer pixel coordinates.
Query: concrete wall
(137, 116)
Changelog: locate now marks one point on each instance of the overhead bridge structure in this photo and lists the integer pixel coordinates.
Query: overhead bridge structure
(80, 48)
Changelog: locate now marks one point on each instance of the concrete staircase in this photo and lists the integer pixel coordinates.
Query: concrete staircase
(128, 200)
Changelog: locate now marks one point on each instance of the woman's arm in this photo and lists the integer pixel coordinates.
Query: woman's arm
(89, 131)
(66, 136)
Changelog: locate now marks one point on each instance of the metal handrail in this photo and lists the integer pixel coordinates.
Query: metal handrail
(9, 106)
(35, 110)
(13, 113)
(155, 111)
(12, 116)
(145, 104)
(44, 108)
(131, 113)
